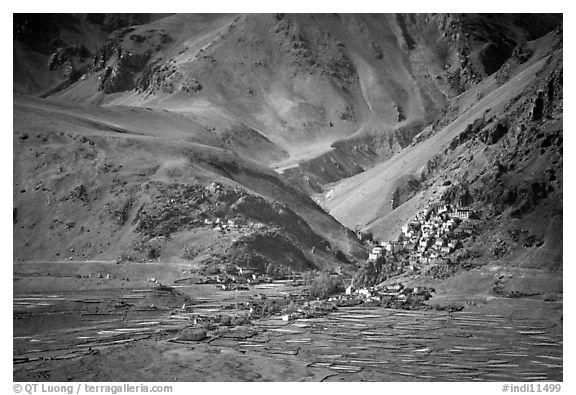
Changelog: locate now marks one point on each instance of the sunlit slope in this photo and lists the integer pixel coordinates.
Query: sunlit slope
(365, 200)
(300, 80)
(88, 182)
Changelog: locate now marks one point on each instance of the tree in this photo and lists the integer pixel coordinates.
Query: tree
(325, 285)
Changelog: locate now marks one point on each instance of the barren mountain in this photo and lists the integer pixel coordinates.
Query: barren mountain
(288, 197)
(503, 151)
(106, 183)
(146, 129)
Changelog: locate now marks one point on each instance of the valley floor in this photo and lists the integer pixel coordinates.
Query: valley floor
(71, 328)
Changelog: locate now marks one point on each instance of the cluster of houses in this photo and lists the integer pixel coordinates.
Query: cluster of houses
(289, 308)
(430, 236)
(309, 309)
(220, 224)
(392, 293)
(223, 226)
(238, 279)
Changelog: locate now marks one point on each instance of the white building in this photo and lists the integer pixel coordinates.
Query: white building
(376, 253)
(461, 213)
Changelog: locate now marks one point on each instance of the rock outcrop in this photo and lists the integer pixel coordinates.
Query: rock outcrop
(115, 79)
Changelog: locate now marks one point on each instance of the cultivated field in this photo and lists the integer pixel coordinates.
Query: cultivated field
(111, 331)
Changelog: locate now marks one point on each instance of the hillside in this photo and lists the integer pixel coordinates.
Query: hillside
(120, 117)
(291, 197)
(503, 152)
(302, 81)
(136, 184)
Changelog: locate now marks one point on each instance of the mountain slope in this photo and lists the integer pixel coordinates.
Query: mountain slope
(51, 51)
(334, 94)
(492, 150)
(104, 183)
(141, 113)
(300, 80)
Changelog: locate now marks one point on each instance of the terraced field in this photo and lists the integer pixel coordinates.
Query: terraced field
(69, 326)
(503, 340)
(383, 344)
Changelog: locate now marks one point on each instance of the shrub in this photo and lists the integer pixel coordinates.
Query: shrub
(292, 308)
(241, 320)
(308, 277)
(270, 307)
(325, 285)
(208, 326)
(341, 256)
(192, 334)
(189, 253)
(226, 320)
(211, 271)
(153, 253)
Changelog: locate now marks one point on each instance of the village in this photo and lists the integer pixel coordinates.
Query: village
(233, 278)
(429, 238)
(298, 300)
(299, 304)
